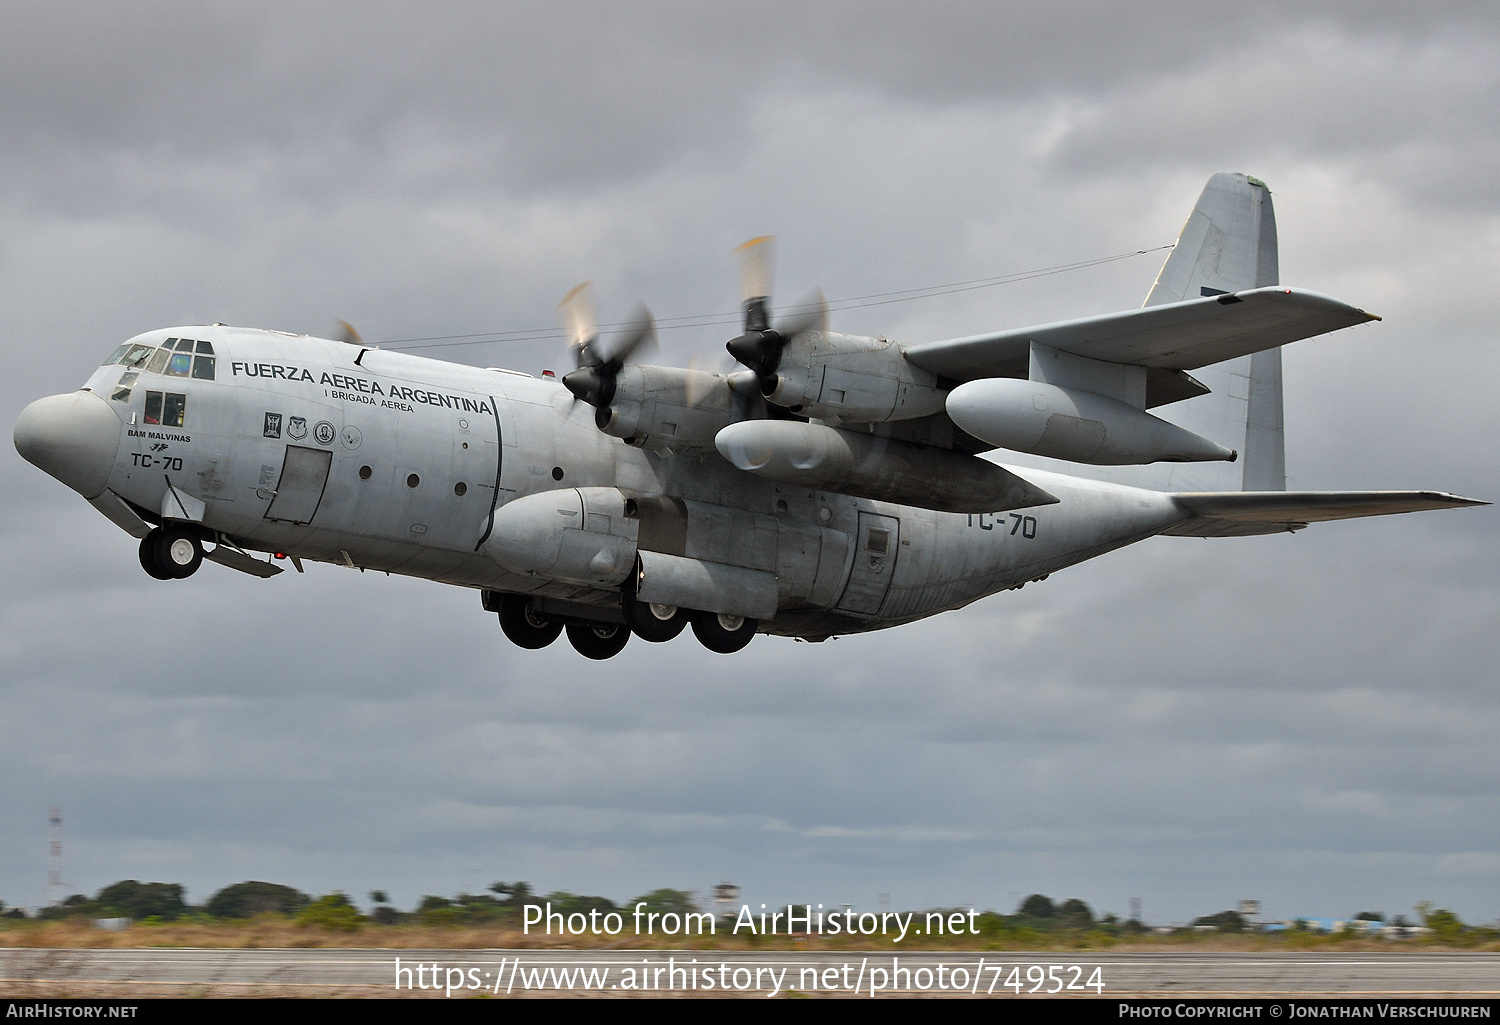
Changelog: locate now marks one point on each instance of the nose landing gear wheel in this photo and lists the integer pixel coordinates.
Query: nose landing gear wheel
(148, 557)
(724, 634)
(598, 640)
(526, 627)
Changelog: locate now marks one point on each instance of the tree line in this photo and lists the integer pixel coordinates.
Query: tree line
(502, 903)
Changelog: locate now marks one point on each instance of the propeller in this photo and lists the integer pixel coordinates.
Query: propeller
(598, 366)
(761, 346)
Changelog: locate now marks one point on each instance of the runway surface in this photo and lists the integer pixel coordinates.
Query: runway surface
(457, 974)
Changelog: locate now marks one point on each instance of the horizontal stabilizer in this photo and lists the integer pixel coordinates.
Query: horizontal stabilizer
(1175, 337)
(1240, 513)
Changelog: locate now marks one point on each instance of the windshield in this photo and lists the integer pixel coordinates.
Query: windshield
(175, 357)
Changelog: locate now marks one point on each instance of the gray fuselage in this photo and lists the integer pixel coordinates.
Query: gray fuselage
(407, 465)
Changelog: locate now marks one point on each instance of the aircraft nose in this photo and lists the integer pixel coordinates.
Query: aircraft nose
(73, 437)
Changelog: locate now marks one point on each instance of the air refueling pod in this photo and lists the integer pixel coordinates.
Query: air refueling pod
(1071, 424)
(869, 466)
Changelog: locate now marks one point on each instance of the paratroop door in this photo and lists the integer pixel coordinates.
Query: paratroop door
(304, 475)
(878, 542)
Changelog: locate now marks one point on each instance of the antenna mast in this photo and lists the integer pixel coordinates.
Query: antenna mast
(54, 857)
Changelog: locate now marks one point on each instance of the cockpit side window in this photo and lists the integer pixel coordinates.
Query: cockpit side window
(122, 390)
(203, 363)
(168, 409)
(173, 408)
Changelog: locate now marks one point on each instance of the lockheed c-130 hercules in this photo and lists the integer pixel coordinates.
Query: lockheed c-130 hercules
(838, 484)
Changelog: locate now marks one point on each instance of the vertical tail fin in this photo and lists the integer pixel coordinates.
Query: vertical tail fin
(1228, 245)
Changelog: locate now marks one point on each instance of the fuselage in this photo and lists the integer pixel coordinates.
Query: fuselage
(381, 460)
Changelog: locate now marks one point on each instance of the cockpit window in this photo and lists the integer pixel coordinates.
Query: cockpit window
(203, 363)
(173, 408)
(177, 357)
(137, 355)
(167, 409)
(122, 390)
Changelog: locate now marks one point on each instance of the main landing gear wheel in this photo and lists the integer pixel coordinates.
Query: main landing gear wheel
(598, 640)
(171, 553)
(724, 634)
(653, 621)
(526, 627)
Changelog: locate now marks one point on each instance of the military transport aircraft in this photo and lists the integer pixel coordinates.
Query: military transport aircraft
(837, 484)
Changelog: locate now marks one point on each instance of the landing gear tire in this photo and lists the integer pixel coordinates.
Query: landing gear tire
(724, 634)
(598, 640)
(148, 557)
(171, 553)
(653, 622)
(525, 627)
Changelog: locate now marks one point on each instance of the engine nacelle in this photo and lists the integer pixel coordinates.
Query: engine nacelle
(668, 407)
(852, 379)
(1066, 423)
(580, 535)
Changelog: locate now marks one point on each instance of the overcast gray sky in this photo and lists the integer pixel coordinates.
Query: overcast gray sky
(1308, 720)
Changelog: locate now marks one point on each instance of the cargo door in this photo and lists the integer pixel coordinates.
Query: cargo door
(304, 475)
(878, 541)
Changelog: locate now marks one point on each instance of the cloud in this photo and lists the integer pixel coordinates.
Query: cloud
(1307, 718)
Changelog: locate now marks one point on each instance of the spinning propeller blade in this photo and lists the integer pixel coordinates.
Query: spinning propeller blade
(761, 346)
(599, 365)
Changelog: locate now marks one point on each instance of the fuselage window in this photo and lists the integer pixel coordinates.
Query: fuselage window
(158, 361)
(179, 365)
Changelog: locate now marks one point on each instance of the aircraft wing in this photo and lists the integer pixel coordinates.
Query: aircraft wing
(1172, 337)
(1242, 513)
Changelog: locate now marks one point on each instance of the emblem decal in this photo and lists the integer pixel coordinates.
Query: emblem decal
(273, 425)
(324, 433)
(296, 427)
